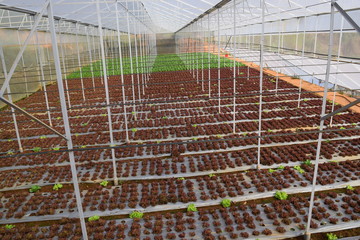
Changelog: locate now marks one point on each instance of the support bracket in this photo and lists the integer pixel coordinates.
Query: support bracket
(347, 17)
(341, 109)
(31, 116)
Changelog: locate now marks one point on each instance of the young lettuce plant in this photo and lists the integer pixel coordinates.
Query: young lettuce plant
(331, 236)
(94, 218)
(34, 188)
(299, 169)
(281, 195)
(281, 167)
(308, 162)
(136, 214)
(104, 183)
(36, 149)
(57, 186)
(226, 203)
(9, 226)
(191, 208)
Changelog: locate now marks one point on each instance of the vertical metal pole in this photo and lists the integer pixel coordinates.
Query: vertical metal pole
(79, 61)
(2, 56)
(49, 64)
(337, 70)
(234, 70)
(196, 53)
(42, 79)
(261, 79)
(112, 59)
(142, 63)
(130, 59)
(209, 55)
(64, 66)
(23, 66)
(121, 71)
(137, 61)
(66, 118)
(100, 57)
(102, 49)
(278, 52)
(219, 74)
(316, 35)
(202, 55)
(323, 109)
(302, 52)
(90, 58)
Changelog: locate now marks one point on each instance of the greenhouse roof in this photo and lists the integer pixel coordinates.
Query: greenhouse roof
(174, 15)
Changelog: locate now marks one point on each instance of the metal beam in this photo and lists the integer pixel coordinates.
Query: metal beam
(62, 98)
(31, 116)
(341, 109)
(347, 17)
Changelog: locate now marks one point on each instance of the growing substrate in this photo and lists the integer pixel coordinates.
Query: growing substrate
(208, 163)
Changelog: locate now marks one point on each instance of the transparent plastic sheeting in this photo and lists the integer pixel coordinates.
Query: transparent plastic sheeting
(83, 11)
(309, 69)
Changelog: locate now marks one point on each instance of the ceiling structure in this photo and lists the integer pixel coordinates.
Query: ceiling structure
(173, 15)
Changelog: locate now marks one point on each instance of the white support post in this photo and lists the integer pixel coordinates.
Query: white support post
(10, 100)
(122, 72)
(137, 62)
(322, 122)
(209, 56)
(107, 93)
(234, 69)
(219, 72)
(196, 53)
(42, 79)
(316, 35)
(90, 58)
(79, 62)
(261, 80)
(337, 70)
(23, 66)
(302, 53)
(202, 55)
(131, 61)
(142, 64)
(66, 119)
(278, 52)
(64, 66)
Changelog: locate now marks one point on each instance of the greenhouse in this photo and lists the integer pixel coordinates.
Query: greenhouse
(180, 119)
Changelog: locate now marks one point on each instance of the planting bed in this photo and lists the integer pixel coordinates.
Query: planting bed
(182, 150)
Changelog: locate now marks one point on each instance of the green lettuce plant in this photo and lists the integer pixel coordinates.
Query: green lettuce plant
(9, 226)
(136, 214)
(94, 218)
(281, 195)
(331, 236)
(299, 169)
(34, 188)
(191, 208)
(226, 203)
(57, 186)
(104, 183)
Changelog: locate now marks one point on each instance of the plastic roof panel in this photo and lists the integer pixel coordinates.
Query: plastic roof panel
(85, 11)
(171, 15)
